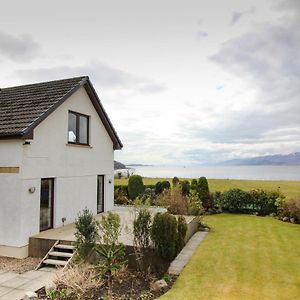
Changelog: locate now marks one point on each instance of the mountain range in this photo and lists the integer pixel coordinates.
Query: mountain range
(267, 160)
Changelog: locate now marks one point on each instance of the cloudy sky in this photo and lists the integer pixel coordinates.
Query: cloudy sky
(184, 82)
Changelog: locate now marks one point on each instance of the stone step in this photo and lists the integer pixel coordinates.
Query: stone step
(61, 254)
(66, 247)
(55, 262)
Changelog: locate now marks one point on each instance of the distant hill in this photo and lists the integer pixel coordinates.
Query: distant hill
(268, 160)
(118, 165)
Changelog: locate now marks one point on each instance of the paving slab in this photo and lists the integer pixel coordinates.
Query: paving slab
(7, 276)
(13, 286)
(15, 282)
(186, 253)
(4, 290)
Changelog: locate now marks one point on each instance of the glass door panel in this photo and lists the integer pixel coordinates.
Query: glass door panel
(100, 194)
(46, 203)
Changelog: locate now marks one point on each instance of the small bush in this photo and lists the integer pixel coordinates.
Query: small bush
(194, 184)
(264, 202)
(110, 252)
(181, 229)
(135, 186)
(141, 240)
(148, 196)
(174, 201)
(258, 201)
(78, 282)
(110, 228)
(203, 192)
(185, 187)
(123, 188)
(235, 200)
(160, 186)
(194, 204)
(86, 234)
(120, 197)
(291, 209)
(175, 181)
(164, 235)
(141, 229)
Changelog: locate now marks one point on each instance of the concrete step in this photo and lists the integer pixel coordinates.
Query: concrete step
(66, 247)
(61, 254)
(55, 262)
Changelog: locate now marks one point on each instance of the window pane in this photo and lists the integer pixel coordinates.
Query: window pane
(72, 128)
(83, 130)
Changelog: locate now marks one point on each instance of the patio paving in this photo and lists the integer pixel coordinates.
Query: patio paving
(13, 286)
(127, 215)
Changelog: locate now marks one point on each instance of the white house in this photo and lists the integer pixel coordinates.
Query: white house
(56, 158)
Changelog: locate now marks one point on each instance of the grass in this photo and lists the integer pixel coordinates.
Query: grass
(243, 257)
(290, 189)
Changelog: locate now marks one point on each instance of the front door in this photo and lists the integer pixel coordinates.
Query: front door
(100, 194)
(46, 203)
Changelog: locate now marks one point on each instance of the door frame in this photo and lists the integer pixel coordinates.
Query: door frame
(52, 203)
(103, 193)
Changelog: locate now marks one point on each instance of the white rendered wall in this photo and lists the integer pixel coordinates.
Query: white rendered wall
(10, 193)
(75, 168)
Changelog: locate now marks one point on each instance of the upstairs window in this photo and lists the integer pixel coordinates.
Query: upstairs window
(78, 131)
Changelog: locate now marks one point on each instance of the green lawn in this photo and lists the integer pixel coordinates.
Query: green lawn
(288, 188)
(243, 257)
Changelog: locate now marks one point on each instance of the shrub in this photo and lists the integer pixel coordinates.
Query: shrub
(123, 188)
(185, 187)
(141, 229)
(78, 282)
(148, 196)
(160, 186)
(264, 202)
(175, 181)
(235, 200)
(135, 186)
(203, 192)
(120, 197)
(194, 204)
(86, 234)
(217, 198)
(291, 209)
(259, 201)
(174, 201)
(194, 184)
(181, 230)
(164, 235)
(141, 233)
(110, 228)
(111, 253)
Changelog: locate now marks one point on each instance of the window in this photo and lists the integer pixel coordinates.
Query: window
(78, 131)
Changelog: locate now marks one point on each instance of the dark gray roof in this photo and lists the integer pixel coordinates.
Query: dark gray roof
(22, 108)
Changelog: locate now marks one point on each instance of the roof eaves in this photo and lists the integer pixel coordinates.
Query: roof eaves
(103, 116)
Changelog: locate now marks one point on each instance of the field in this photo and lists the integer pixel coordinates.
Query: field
(243, 257)
(290, 189)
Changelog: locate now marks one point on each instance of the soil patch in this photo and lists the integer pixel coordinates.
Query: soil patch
(134, 285)
(18, 265)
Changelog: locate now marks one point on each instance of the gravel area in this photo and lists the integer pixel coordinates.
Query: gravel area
(18, 265)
